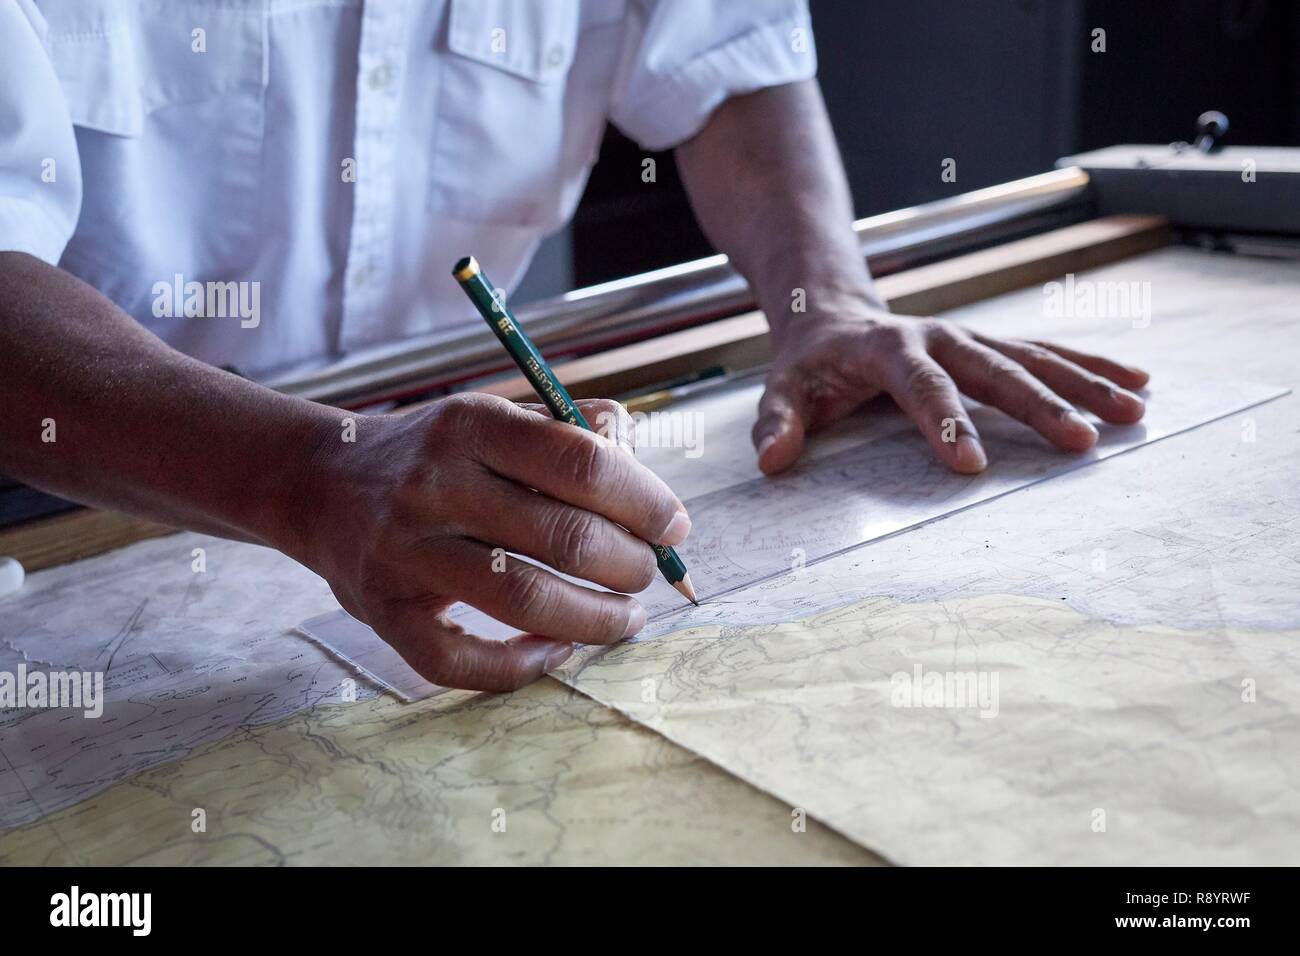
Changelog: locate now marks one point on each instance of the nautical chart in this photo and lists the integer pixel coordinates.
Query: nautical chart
(1128, 627)
(763, 528)
(187, 668)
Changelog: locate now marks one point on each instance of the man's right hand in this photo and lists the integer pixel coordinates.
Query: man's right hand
(419, 511)
(413, 515)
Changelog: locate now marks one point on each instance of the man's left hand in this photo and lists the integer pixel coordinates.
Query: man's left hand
(827, 366)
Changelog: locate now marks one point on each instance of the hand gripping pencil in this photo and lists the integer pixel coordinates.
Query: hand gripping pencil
(547, 386)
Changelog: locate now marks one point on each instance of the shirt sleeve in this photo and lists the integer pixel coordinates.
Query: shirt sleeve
(681, 61)
(40, 172)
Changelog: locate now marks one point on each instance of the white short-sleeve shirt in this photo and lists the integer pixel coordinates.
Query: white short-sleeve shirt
(322, 163)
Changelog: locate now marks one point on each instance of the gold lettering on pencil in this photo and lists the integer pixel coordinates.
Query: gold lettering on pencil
(552, 393)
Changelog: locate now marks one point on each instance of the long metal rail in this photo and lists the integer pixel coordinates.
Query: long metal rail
(598, 316)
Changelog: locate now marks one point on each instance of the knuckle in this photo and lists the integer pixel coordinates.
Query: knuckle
(997, 367)
(926, 380)
(583, 462)
(441, 417)
(575, 541)
(779, 395)
(461, 405)
(646, 572)
(423, 644)
(438, 662)
(654, 511)
(1032, 352)
(1019, 390)
(890, 338)
(450, 420)
(608, 417)
(611, 619)
(1049, 404)
(937, 330)
(526, 591)
(1103, 389)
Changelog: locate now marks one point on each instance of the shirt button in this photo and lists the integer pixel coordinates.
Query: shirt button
(380, 76)
(555, 56)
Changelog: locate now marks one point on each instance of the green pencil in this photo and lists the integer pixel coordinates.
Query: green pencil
(548, 387)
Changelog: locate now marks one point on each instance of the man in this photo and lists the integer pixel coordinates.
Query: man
(327, 161)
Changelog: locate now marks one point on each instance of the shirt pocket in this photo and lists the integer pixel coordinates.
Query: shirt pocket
(515, 136)
(167, 100)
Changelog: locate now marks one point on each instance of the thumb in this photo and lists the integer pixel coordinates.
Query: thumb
(783, 417)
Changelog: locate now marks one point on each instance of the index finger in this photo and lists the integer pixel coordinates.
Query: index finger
(582, 468)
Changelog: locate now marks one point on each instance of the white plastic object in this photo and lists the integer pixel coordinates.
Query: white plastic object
(11, 576)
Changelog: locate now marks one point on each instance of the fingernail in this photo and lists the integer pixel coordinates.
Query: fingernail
(1126, 397)
(557, 656)
(677, 529)
(1078, 421)
(635, 620)
(970, 455)
(765, 444)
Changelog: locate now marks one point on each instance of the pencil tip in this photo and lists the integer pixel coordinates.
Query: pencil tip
(687, 590)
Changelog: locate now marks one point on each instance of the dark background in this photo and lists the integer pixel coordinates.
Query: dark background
(1004, 87)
